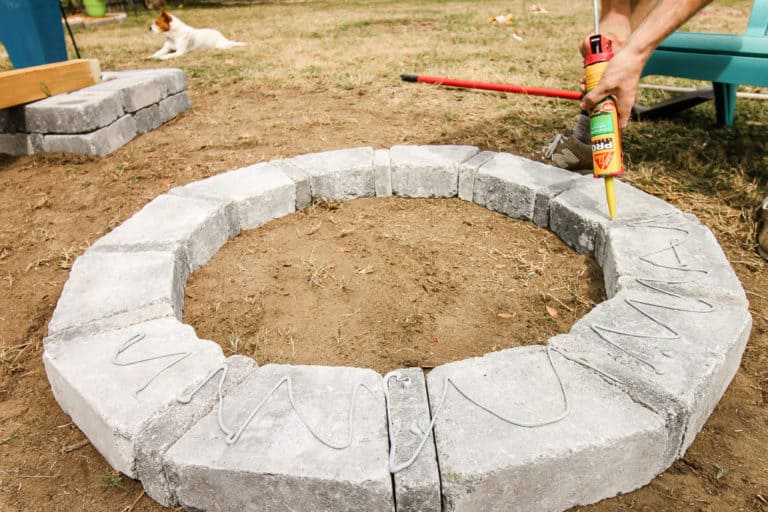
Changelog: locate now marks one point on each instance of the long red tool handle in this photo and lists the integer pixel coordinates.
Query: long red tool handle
(468, 84)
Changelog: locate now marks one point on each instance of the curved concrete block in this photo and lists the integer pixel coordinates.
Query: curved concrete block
(606, 445)
(173, 422)
(427, 171)
(277, 464)
(519, 188)
(258, 193)
(114, 289)
(170, 223)
(339, 175)
(112, 403)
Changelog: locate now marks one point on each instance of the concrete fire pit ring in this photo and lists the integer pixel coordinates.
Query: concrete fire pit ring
(599, 411)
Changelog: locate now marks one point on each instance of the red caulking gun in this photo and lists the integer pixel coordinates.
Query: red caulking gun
(605, 131)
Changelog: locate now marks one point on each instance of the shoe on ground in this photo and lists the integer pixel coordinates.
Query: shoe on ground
(567, 152)
(762, 229)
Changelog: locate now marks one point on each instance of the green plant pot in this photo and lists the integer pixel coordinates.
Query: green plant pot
(95, 8)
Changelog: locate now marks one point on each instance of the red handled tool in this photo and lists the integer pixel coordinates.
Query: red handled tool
(468, 84)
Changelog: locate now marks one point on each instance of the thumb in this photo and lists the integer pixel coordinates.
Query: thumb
(592, 98)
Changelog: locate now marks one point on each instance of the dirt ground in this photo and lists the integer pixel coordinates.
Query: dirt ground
(390, 283)
(52, 207)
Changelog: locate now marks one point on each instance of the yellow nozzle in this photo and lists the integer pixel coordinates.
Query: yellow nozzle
(610, 195)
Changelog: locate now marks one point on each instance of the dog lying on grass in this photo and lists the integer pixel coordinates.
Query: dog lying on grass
(180, 38)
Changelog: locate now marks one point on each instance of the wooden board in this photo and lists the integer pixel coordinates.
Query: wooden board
(37, 82)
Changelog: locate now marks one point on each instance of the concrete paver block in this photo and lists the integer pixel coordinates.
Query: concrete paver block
(136, 91)
(277, 464)
(169, 425)
(300, 180)
(605, 445)
(111, 403)
(467, 172)
(115, 289)
(427, 171)
(382, 171)
(417, 487)
(81, 111)
(172, 80)
(19, 144)
(519, 188)
(676, 355)
(579, 215)
(258, 193)
(339, 175)
(97, 143)
(172, 222)
(671, 248)
(174, 105)
(148, 119)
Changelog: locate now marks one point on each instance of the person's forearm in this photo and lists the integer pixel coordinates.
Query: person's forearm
(664, 18)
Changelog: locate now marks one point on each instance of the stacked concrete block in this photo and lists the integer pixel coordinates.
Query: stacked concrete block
(624, 395)
(113, 388)
(257, 193)
(278, 463)
(95, 120)
(606, 443)
(427, 171)
(173, 422)
(412, 447)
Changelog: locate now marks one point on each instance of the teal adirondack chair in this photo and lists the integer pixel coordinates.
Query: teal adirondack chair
(726, 60)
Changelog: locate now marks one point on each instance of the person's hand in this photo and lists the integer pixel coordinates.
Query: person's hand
(620, 80)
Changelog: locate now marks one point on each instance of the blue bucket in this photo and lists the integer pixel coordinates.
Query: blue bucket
(32, 32)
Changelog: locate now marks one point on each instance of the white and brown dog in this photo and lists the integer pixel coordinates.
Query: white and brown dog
(180, 38)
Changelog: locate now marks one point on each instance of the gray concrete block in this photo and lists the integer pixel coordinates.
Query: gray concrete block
(257, 193)
(174, 105)
(339, 175)
(681, 378)
(81, 111)
(427, 171)
(417, 487)
(19, 144)
(277, 464)
(112, 403)
(519, 188)
(148, 119)
(169, 425)
(382, 171)
(579, 216)
(670, 248)
(172, 80)
(97, 143)
(606, 445)
(300, 180)
(467, 172)
(172, 222)
(112, 290)
(136, 91)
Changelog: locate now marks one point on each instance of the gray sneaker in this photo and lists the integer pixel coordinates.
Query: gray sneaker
(762, 229)
(567, 152)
